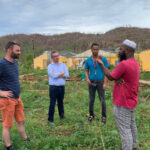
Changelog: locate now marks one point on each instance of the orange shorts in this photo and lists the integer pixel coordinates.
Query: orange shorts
(11, 108)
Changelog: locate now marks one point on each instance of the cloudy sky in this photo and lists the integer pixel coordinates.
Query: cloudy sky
(61, 16)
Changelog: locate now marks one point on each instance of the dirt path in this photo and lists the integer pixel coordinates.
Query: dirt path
(31, 78)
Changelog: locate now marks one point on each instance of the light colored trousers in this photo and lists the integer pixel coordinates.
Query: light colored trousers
(125, 121)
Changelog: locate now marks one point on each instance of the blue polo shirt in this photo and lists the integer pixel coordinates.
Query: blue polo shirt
(9, 77)
(89, 64)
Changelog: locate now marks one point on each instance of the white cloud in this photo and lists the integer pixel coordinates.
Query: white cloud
(55, 16)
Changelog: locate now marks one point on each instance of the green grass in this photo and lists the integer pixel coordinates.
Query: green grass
(145, 76)
(74, 132)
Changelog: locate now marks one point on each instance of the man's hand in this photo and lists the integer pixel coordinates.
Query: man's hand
(6, 94)
(120, 81)
(88, 81)
(104, 86)
(61, 75)
(99, 61)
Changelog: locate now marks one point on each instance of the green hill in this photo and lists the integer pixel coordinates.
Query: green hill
(78, 42)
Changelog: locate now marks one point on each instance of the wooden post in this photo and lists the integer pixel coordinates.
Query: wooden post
(33, 48)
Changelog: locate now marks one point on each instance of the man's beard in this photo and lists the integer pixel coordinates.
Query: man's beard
(14, 56)
(95, 55)
(122, 57)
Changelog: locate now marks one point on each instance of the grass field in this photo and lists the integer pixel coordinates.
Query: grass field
(145, 76)
(74, 132)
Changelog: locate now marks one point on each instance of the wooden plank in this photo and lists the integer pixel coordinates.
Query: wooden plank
(73, 79)
(144, 82)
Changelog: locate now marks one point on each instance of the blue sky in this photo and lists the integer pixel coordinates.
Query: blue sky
(60, 16)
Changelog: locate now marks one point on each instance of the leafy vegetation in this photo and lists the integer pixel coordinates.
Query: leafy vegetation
(78, 42)
(74, 132)
(145, 76)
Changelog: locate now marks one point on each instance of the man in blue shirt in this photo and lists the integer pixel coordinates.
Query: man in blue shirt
(96, 81)
(58, 73)
(10, 102)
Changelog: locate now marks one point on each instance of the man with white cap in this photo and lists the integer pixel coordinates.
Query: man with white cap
(125, 99)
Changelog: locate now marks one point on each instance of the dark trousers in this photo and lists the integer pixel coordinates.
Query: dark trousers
(101, 93)
(56, 93)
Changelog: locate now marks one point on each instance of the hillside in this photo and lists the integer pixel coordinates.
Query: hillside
(78, 42)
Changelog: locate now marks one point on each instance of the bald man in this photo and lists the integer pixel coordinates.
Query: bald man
(125, 93)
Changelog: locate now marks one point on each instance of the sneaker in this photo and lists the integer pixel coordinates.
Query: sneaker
(27, 139)
(10, 148)
(49, 123)
(62, 117)
(104, 120)
(90, 118)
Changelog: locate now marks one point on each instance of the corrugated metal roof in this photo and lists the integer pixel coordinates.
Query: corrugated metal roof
(67, 54)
